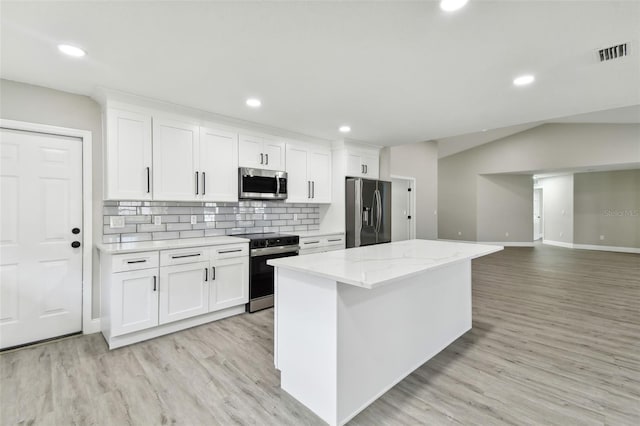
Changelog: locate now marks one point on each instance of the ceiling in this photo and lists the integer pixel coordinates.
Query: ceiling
(397, 72)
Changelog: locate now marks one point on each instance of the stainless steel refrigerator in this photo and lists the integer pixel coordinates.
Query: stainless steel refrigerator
(368, 209)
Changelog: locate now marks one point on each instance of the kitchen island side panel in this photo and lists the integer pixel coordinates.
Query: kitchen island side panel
(384, 334)
(305, 344)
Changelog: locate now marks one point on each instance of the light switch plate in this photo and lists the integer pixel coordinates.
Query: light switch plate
(116, 222)
(194, 219)
(157, 220)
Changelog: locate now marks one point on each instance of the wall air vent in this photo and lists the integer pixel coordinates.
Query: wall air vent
(613, 52)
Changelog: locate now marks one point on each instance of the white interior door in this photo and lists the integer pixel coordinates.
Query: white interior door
(400, 210)
(537, 214)
(41, 202)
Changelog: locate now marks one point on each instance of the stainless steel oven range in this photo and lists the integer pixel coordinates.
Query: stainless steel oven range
(262, 248)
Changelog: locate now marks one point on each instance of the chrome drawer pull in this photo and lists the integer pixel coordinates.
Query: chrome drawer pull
(185, 255)
(229, 251)
(136, 261)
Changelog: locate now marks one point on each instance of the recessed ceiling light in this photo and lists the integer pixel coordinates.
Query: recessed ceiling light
(254, 102)
(71, 50)
(451, 5)
(523, 80)
(484, 130)
(344, 129)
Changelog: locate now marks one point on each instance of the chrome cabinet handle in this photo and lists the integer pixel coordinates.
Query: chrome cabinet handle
(311, 242)
(313, 189)
(267, 157)
(308, 189)
(137, 261)
(261, 158)
(197, 183)
(148, 180)
(213, 273)
(204, 184)
(155, 287)
(331, 241)
(206, 274)
(362, 168)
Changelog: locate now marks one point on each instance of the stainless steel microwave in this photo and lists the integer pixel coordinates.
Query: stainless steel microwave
(258, 184)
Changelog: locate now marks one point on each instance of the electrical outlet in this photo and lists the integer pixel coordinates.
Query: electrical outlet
(157, 220)
(194, 219)
(116, 222)
(601, 237)
(295, 216)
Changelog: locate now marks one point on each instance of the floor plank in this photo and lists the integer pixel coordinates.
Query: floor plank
(555, 340)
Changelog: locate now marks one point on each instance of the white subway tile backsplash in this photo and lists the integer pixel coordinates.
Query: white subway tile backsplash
(212, 219)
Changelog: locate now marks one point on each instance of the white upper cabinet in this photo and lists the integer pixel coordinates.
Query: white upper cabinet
(308, 174)
(261, 153)
(218, 165)
(363, 163)
(175, 157)
(128, 167)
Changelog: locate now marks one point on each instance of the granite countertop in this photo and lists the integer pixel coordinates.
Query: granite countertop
(373, 266)
(119, 248)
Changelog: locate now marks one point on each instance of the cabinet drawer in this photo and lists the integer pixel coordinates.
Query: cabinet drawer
(334, 240)
(310, 242)
(134, 261)
(182, 256)
(229, 251)
(312, 251)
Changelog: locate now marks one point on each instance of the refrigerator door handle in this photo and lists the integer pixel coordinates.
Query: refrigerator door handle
(358, 211)
(379, 199)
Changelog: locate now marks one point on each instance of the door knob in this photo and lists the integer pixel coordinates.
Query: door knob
(75, 231)
(75, 244)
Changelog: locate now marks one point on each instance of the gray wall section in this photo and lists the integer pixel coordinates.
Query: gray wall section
(557, 204)
(608, 204)
(419, 161)
(36, 104)
(505, 208)
(547, 147)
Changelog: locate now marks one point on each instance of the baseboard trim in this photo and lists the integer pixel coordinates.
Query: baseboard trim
(558, 243)
(607, 248)
(91, 327)
(495, 243)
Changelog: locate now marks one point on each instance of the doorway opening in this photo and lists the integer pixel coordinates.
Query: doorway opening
(403, 208)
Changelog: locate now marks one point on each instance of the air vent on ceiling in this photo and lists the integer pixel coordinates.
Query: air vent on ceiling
(613, 52)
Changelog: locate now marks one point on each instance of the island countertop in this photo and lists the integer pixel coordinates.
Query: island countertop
(372, 266)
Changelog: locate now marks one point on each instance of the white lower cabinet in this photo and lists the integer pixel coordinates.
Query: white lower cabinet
(134, 299)
(184, 291)
(229, 283)
(149, 294)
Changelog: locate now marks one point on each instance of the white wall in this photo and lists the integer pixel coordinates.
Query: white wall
(505, 203)
(557, 199)
(420, 161)
(548, 147)
(36, 104)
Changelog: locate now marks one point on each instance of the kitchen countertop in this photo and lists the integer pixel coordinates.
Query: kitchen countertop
(119, 248)
(373, 266)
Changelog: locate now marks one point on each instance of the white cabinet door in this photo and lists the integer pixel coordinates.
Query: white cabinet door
(184, 291)
(298, 182)
(128, 151)
(218, 167)
(229, 285)
(274, 155)
(175, 153)
(371, 166)
(354, 165)
(320, 175)
(134, 301)
(250, 152)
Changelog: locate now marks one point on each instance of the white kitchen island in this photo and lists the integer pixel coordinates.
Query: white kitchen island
(350, 324)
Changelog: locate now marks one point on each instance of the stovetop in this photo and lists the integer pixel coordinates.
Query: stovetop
(270, 239)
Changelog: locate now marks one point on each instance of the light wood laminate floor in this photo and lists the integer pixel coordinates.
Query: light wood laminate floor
(555, 340)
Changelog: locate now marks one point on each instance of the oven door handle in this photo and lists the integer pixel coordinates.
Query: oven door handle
(274, 250)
